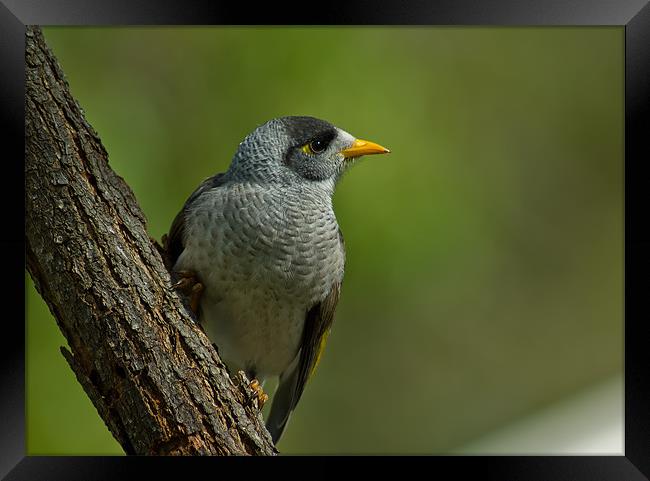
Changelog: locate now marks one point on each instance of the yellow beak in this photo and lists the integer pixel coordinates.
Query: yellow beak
(364, 147)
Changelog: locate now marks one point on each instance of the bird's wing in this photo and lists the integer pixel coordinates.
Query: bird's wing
(175, 243)
(318, 323)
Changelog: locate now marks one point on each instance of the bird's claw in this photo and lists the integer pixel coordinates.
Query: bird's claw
(189, 284)
(258, 393)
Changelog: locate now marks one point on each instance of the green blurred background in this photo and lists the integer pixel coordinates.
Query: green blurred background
(484, 278)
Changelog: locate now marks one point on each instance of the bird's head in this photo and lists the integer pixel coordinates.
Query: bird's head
(298, 149)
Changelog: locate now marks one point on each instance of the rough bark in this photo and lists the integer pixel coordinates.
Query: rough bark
(153, 375)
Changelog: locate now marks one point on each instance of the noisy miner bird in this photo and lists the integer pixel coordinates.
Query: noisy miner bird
(262, 254)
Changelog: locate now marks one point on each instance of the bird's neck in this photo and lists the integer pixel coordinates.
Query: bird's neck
(317, 193)
(289, 183)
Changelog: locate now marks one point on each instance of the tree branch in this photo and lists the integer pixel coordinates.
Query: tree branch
(150, 371)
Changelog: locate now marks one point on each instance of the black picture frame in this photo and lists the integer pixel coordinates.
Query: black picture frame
(634, 15)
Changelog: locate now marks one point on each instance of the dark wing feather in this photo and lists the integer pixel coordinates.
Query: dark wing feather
(175, 243)
(318, 323)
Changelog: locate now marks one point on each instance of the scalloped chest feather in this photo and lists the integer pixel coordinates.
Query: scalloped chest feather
(265, 255)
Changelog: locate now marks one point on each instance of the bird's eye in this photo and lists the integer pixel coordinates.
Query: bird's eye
(317, 146)
(314, 147)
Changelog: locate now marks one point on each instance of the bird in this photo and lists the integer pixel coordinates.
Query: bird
(260, 253)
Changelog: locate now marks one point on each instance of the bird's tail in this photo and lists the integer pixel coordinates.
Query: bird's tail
(283, 404)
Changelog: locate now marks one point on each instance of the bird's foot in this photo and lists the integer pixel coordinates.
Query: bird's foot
(258, 393)
(188, 283)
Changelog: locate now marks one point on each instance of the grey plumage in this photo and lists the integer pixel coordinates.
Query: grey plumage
(264, 241)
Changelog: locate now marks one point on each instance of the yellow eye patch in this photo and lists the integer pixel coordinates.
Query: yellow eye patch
(307, 149)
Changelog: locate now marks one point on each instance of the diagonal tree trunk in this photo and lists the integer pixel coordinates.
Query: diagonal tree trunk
(152, 374)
